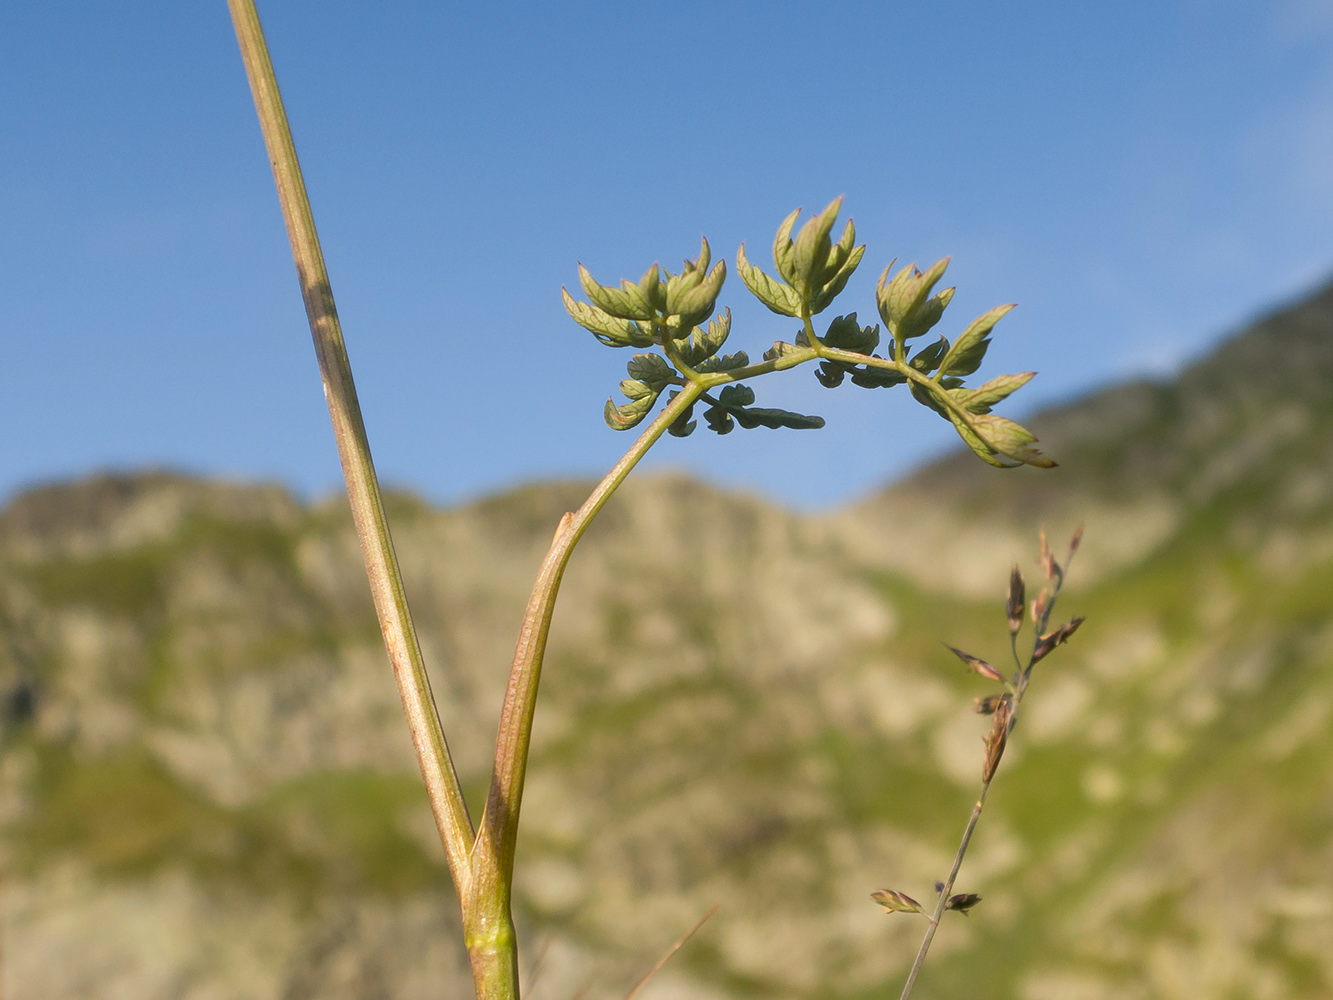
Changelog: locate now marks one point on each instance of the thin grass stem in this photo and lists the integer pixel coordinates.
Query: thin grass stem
(1019, 689)
(680, 943)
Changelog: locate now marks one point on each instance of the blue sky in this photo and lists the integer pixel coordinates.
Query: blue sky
(1140, 177)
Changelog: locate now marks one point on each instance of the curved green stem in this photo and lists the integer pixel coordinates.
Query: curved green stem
(487, 922)
(363, 492)
(500, 821)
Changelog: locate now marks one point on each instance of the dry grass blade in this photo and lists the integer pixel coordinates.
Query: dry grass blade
(670, 951)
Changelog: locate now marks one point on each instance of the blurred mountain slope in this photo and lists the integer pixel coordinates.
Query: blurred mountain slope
(207, 789)
(1136, 460)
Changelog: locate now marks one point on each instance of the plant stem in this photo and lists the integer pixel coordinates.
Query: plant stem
(488, 924)
(500, 821)
(363, 492)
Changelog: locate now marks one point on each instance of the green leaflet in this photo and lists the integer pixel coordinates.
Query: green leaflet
(622, 418)
(783, 251)
(814, 268)
(1009, 439)
(634, 389)
(693, 293)
(781, 299)
(812, 250)
(981, 399)
(830, 373)
(969, 349)
(978, 446)
(650, 287)
(629, 301)
(736, 396)
(724, 362)
(846, 334)
(780, 349)
(928, 358)
(683, 426)
(608, 329)
(876, 378)
(733, 402)
(838, 281)
(999, 441)
(649, 375)
(650, 368)
(905, 302)
(760, 416)
(702, 344)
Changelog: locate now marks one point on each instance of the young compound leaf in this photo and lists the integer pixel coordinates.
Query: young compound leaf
(970, 348)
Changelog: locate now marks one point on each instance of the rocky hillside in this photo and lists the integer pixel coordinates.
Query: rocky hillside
(207, 789)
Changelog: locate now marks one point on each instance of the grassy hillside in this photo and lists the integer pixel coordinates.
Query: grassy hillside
(207, 789)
